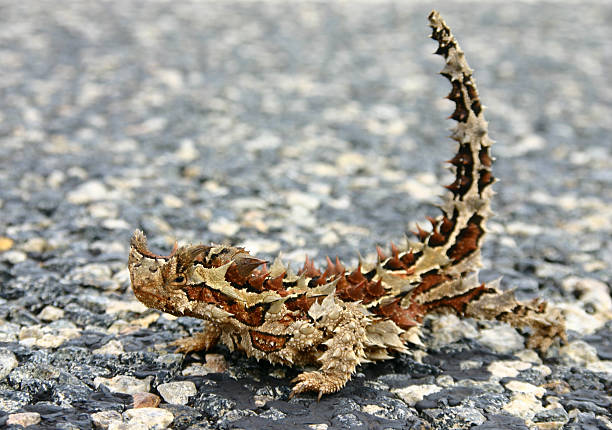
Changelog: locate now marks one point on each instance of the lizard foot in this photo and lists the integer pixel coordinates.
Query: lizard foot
(546, 328)
(323, 383)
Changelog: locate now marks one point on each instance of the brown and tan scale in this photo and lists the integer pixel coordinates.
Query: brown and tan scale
(337, 319)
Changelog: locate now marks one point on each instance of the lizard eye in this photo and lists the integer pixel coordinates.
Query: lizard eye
(179, 280)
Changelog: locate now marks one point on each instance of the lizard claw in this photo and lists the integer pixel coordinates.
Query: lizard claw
(183, 346)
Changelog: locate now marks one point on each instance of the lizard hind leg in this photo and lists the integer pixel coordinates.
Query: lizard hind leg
(545, 323)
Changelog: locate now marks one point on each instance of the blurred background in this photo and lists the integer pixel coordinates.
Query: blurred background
(310, 127)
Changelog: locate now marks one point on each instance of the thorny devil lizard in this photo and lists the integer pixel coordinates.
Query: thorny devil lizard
(338, 318)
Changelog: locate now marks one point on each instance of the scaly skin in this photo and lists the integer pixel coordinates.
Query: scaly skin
(338, 319)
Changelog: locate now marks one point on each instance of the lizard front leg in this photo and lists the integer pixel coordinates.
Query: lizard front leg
(345, 351)
(201, 341)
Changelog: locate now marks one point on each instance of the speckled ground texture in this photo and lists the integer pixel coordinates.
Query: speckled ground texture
(307, 128)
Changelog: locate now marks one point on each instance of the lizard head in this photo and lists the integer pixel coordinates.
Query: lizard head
(155, 278)
(166, 282)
